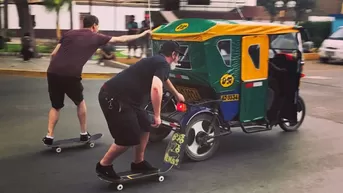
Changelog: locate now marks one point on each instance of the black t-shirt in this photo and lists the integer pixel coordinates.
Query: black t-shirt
(132, 26)
(133, 85)
(77, 46)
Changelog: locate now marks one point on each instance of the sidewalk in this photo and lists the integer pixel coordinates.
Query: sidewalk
(122, 58)
(38, 67)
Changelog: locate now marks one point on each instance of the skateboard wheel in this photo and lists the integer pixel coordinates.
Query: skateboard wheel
(161, 178)
(120, 187)
(58, 150)
(91, 145)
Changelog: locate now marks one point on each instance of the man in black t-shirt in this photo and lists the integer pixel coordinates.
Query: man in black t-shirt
(120, 99)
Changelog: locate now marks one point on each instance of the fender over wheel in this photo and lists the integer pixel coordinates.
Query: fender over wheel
(160, 133)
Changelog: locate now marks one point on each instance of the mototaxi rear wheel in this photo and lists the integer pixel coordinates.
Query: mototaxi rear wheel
(197, 147)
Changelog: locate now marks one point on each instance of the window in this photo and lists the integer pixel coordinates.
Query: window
(81, 17)
(338, 35)
(127, 19)
(224, 48)
(254, 53)
(284, 41)
(184, 60)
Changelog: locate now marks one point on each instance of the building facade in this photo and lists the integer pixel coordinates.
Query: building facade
(113, 17)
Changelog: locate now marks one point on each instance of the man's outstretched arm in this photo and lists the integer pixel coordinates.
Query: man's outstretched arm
(126, 38)
(53, 53)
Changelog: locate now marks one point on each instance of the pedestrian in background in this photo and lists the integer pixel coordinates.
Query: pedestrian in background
(145, 40)
(26, 47)
(132, 27)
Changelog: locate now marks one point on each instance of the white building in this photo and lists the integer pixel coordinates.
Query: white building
(112, 18)
(217, 5)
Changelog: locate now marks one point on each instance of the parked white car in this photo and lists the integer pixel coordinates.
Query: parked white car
(332, 47)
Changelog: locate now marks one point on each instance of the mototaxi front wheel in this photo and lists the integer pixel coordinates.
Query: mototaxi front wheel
(301, 109)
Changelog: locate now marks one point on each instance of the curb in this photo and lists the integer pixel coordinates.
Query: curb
(115, 64)
(311, 56)
(18, 54)
(127, 61)
(40, 74)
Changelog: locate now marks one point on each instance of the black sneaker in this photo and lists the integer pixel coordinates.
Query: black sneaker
(85, 137)
(106, 171)
(47, 141)
(143, 166)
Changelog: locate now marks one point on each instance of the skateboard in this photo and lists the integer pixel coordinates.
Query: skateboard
(57, 145)
(131, 176)
(172, 157)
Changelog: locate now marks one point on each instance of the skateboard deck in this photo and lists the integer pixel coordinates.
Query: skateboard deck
(131, 176)
(172, 157)
(74, 141)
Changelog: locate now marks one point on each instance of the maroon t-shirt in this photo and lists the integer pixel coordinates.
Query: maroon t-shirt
(77, 47)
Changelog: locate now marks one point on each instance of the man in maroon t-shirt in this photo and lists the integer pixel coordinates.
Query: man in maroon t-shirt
(64, 73)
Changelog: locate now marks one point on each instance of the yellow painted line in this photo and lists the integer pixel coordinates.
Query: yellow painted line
(311, 56)
(39, 74)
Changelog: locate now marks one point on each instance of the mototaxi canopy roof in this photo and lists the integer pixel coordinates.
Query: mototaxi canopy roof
(198, 30)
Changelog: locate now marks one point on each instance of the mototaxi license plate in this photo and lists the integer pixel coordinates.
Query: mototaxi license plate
(190, 94)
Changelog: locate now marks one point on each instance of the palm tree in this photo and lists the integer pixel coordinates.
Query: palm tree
(55, 5)
(70, 8)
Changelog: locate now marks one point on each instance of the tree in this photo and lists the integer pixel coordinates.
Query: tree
(56, 5)
(25, 21)
(269, 5)
(70, 8)
(301, 8)
(6, 16)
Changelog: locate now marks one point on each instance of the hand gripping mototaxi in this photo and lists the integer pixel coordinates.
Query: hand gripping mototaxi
(233, 74)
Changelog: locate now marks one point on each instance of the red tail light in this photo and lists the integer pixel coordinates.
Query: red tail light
(181, 107)
(302, 75)
(289, 56)
(249, 85)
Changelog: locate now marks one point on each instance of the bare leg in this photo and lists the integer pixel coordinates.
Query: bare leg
(82, 115)
(53, 118)
(112, 153)
(140, 149)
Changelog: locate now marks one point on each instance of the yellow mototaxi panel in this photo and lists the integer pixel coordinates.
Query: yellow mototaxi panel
(199, 30)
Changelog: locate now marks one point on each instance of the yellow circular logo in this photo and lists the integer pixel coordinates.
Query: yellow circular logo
(227, 80)
(182, 27)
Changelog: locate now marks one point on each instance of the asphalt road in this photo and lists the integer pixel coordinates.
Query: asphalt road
(270, 162)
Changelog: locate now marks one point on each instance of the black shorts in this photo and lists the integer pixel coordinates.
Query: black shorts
(124, 121)
(60, 85)
(132, 44)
